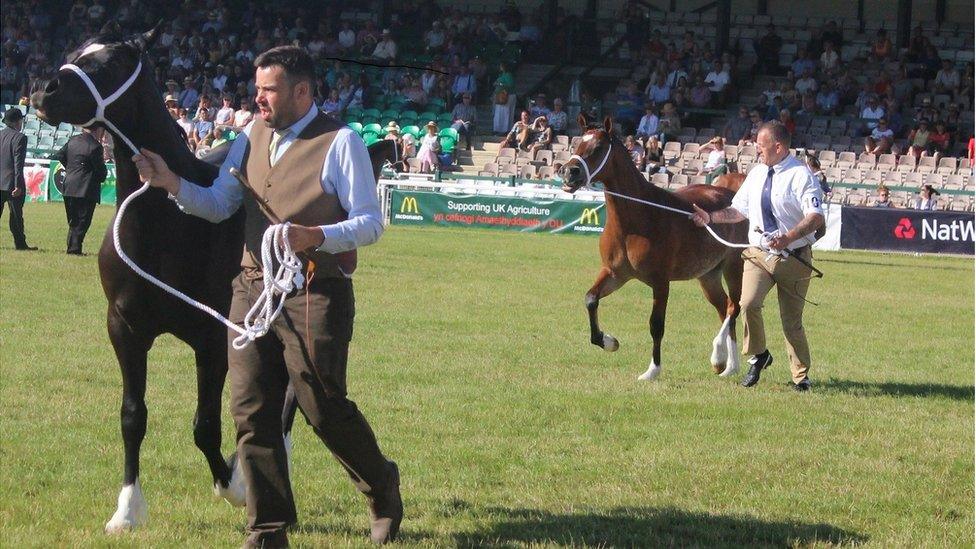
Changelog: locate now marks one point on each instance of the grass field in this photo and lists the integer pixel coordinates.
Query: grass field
(472, 361)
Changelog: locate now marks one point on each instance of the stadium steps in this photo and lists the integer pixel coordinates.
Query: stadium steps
(528, 76)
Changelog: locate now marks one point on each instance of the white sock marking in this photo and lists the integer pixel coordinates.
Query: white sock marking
(132, 510)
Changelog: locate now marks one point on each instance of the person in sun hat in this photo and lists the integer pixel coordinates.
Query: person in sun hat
(430, 146)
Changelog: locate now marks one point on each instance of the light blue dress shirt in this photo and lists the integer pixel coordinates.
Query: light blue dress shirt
(347, 172)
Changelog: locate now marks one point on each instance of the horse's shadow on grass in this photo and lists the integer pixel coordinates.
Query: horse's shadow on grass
(926, 390)
(647, 527)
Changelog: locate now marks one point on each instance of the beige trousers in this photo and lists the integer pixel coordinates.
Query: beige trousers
(791, 278)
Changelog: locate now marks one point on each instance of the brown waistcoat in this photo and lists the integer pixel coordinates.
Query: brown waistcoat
(292, 189)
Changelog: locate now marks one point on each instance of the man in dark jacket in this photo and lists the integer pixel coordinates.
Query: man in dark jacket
(84, 171)
(13, 190)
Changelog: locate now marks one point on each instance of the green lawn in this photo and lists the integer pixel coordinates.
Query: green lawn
(472, 361)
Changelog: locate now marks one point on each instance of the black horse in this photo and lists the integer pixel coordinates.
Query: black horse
(194, 256)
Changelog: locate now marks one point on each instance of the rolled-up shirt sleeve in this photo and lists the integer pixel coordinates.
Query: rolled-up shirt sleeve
(810, 195)
(348, 172)
(221, 199)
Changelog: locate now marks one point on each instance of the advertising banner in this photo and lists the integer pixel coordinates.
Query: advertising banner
(55, 183)
(907, 230)
(491, 212)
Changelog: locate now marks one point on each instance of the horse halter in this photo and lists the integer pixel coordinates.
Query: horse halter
(102, 103)
(590, 175)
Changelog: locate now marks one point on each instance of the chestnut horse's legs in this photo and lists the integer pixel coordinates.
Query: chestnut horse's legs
(606, 283)
(658, 310)
(732, 269)
(131, 349)
(711, 284)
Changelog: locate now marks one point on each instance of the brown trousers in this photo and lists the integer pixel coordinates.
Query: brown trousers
(259, 376)
(791, 279)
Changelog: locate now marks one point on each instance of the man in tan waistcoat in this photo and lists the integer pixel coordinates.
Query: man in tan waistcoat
(314, 172)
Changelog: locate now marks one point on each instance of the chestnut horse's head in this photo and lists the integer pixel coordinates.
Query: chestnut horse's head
(591, 155)
(109, 61)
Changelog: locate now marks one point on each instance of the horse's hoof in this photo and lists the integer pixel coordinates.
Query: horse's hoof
(720, 354)
(652, 372)
(132, 511)
(610, 343)
(235, 492)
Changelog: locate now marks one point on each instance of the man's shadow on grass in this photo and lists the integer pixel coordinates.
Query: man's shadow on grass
(926, 390)
(647, 527)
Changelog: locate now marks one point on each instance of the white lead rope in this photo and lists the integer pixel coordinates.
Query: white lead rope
(766, 236)
(274, 245)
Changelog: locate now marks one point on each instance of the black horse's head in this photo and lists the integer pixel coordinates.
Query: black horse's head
(109, 60)
(593, 149)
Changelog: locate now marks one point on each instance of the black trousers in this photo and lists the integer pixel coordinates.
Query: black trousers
(16, 216)
(79, 212)
(307, 345)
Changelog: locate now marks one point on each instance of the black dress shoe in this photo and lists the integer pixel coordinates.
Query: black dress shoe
(756, 365)
(386, 510)
(803, 385)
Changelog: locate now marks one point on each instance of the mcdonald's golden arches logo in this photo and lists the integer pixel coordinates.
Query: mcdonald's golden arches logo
(591, 216)
(409, 205)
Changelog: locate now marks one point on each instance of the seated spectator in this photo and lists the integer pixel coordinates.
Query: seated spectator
(185, 123)
(787, 120)
(189, 96)
(827, 99)
(386, 49)
(676, 74)
(202, 134)
(331, 105)
(538, 107)
(517, 137)
(430, 147)
(434, 38)
(872, 113)
(648, 123)
(464, 82)
(716, 164)
(392, 132)
(814, 166)
(409, 145)
(802, 63)
(464, 117)
(415, 95)
(881, 47)
(880, 140)
(927, 198)
(225, 115)
(657, 91)
(629, 108)
(939, 140)
(947, 79)
(243, 115)
(737, 129)
(918, 140)
(771, 92)
(670, 122)
(653, 156)
(767, 51)
(172, 105)
(718, 81)
(221, 135)
(558, 119)
(884, 198)
(541, 136)
(829, 59)
(806, 83)
(701, 97)
(635, 151)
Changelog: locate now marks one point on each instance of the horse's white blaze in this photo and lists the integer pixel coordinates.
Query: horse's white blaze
(610, 343)
(132, 510)
(732, 365)
(719, 349)
(588, 137)
(92, 48)
(236, 491)
(653, 370)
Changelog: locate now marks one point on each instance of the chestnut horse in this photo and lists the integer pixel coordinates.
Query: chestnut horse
(657, 246)
(195, 256)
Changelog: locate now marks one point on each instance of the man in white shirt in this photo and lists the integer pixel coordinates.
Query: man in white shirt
(648, 123)
(947, 79)
(806, 84)
(464, 82)
(783, 201)
(386, 49)
(342, 193)
(347, 37)
(872, 112)
(717, 79)
(676, 74)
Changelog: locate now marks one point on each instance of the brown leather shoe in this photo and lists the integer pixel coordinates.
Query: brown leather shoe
(386, 510)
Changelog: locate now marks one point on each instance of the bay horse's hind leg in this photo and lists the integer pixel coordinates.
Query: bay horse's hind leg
(732, 269)
(604, 285)
(658, 311)
(711, 283)
(131, 350)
